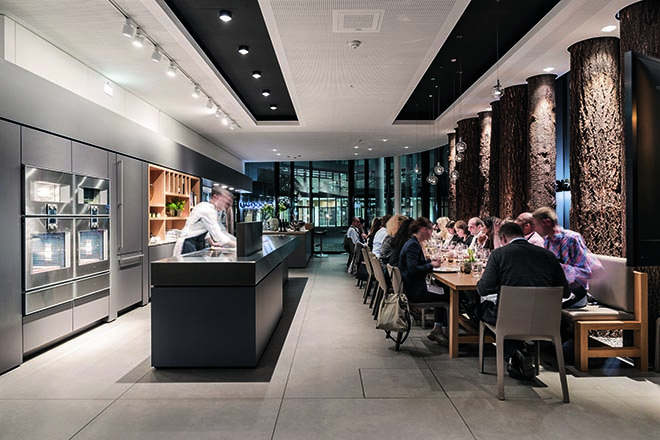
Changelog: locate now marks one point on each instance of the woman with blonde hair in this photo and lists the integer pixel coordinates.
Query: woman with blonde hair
(440, 228)
(392, 227)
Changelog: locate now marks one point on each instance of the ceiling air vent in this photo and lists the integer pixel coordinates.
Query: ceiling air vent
(347, 20)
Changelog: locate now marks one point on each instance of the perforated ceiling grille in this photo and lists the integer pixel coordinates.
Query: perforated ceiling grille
(356, 21)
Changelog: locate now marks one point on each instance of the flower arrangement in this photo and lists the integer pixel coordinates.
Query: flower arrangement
(267, 211)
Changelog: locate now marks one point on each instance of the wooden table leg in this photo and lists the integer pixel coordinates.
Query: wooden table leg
(453, 323)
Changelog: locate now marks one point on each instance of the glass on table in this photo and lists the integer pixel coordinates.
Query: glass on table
(477, 268)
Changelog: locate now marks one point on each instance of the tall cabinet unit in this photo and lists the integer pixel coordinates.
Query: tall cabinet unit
(11, 334)
(167, 188)
(127, 268)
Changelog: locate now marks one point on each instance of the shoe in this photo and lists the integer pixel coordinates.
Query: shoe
(437, 337)
(521, 367)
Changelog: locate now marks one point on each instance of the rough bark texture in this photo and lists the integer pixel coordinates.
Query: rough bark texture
(542, 142)
(596, 150)
(494, 166)
(451, 138)
(468, 190)
(513, 151)
(640, 31)
(485, 124)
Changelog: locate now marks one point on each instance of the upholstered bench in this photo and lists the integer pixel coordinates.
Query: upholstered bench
(621, 302)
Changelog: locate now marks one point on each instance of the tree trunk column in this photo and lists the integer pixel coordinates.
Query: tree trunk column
(596, 150)
(485, 124)
(494, 164)
(640, 31)
(451, 166)
(513, 151)
(542, 128)
(468, 190)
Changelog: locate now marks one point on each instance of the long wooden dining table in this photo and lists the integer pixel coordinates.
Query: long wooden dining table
(457, 281)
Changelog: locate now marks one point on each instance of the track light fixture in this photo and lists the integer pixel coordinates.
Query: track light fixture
(256, 74)
(128, 29)
(196, 93)
(156, 55)
(171, 71)
(225, 15)
(138, 40)
(243, 49)
(210, 105)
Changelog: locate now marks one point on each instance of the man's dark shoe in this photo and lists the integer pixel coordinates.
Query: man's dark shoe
(521, 367)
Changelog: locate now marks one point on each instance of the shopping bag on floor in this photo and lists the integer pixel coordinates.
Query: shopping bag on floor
(393, 313)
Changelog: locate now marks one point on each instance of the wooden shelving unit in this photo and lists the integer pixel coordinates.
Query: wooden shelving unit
(166, 186)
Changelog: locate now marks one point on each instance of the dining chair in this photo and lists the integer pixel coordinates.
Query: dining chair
(526, 313)
(383, 285)
(371, 280)
(397, 285)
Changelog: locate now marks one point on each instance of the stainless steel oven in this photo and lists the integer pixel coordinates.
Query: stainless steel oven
(92, 245)
(92, 196)
(48, 192)
(48, 251)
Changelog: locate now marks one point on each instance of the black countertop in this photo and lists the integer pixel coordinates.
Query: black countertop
(210, 267)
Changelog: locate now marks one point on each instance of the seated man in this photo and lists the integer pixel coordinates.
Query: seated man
(517, 263)
(476, 227)
(526, 222)
(571, 251)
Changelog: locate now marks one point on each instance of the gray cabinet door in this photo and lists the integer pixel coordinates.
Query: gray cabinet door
(131, 210)
(89, 161)
(11, 333)
(43, 150)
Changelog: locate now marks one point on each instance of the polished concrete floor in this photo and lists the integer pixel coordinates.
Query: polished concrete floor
(336, 378)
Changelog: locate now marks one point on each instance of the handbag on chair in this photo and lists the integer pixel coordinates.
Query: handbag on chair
(393, 314)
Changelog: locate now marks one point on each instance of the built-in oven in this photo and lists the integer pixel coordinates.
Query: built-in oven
(47, 192)
(48, 251)
(92, 196)
(92, 245)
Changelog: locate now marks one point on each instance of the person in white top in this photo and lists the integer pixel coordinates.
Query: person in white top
(526, 222)
(203, 225)
(380, 235)
(476, 227)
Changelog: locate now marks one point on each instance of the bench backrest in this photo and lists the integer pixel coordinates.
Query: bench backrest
(613, 284)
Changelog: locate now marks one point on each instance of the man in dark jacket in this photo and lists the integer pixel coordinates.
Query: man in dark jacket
(517, 263)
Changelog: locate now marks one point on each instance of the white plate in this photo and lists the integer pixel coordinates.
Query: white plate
(445, 269)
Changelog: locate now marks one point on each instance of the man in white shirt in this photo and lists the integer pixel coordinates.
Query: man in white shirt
(203, 225)
(526, 222)
(476, 227)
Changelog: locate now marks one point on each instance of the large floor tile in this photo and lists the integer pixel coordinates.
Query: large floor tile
(369, 419)
(198, 419)
(398, 382)
(50, 419)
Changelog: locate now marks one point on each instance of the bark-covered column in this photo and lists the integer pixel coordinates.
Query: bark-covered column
(451, 139)
(640, 31)
(485, 124)
(542, 142)
(513, 151)
(494, 164)
(467, 184)
(596, 150)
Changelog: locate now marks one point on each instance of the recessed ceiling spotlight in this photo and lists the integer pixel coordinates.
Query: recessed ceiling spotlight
(384, 140)
(548, 69)
(224, 15)
(129, 28)
(406, 147)
(231, 188)
(265, 92)
(256, 74)
(243, 49)
(356, 147)
(274, 149)
(278, 154)
(138, 40)
(196, 93)
(453, 60)
(609, 28)
(370, 149)
(171, 71)
(273, 107)
(224, 187)
(355, 154)
(156, 55)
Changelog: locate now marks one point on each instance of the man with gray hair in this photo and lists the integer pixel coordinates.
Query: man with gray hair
(526, 222)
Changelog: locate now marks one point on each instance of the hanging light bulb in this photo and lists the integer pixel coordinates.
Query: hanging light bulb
(497, 91)
(454, 175)
(459, 157)
(439, 169)
(460, 145)
(432, 179)
(416, 170)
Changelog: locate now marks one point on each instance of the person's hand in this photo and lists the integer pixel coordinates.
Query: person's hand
(435, 262)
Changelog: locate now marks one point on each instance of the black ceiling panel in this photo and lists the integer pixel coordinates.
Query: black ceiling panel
(220, 40)
(483, 23)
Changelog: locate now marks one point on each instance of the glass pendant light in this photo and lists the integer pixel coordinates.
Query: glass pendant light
(460, 145)
(432, 179)
(454, 175)
(459, 157)
(439, 169)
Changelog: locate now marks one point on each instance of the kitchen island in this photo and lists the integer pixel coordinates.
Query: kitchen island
(213, 309)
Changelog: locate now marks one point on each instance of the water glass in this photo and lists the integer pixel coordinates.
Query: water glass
(477, 268)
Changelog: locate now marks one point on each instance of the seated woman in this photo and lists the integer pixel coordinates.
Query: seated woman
(440, 228)
(463, 232)
(414, 267)
(452, 238)
(387, 248)
(400, 238)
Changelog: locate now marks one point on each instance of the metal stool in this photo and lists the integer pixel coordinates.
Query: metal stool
(320, 234)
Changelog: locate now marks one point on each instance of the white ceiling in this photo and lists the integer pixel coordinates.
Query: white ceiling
(343, 96)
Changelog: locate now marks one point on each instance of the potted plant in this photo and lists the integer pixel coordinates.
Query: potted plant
(267, 211)
(175, 207)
